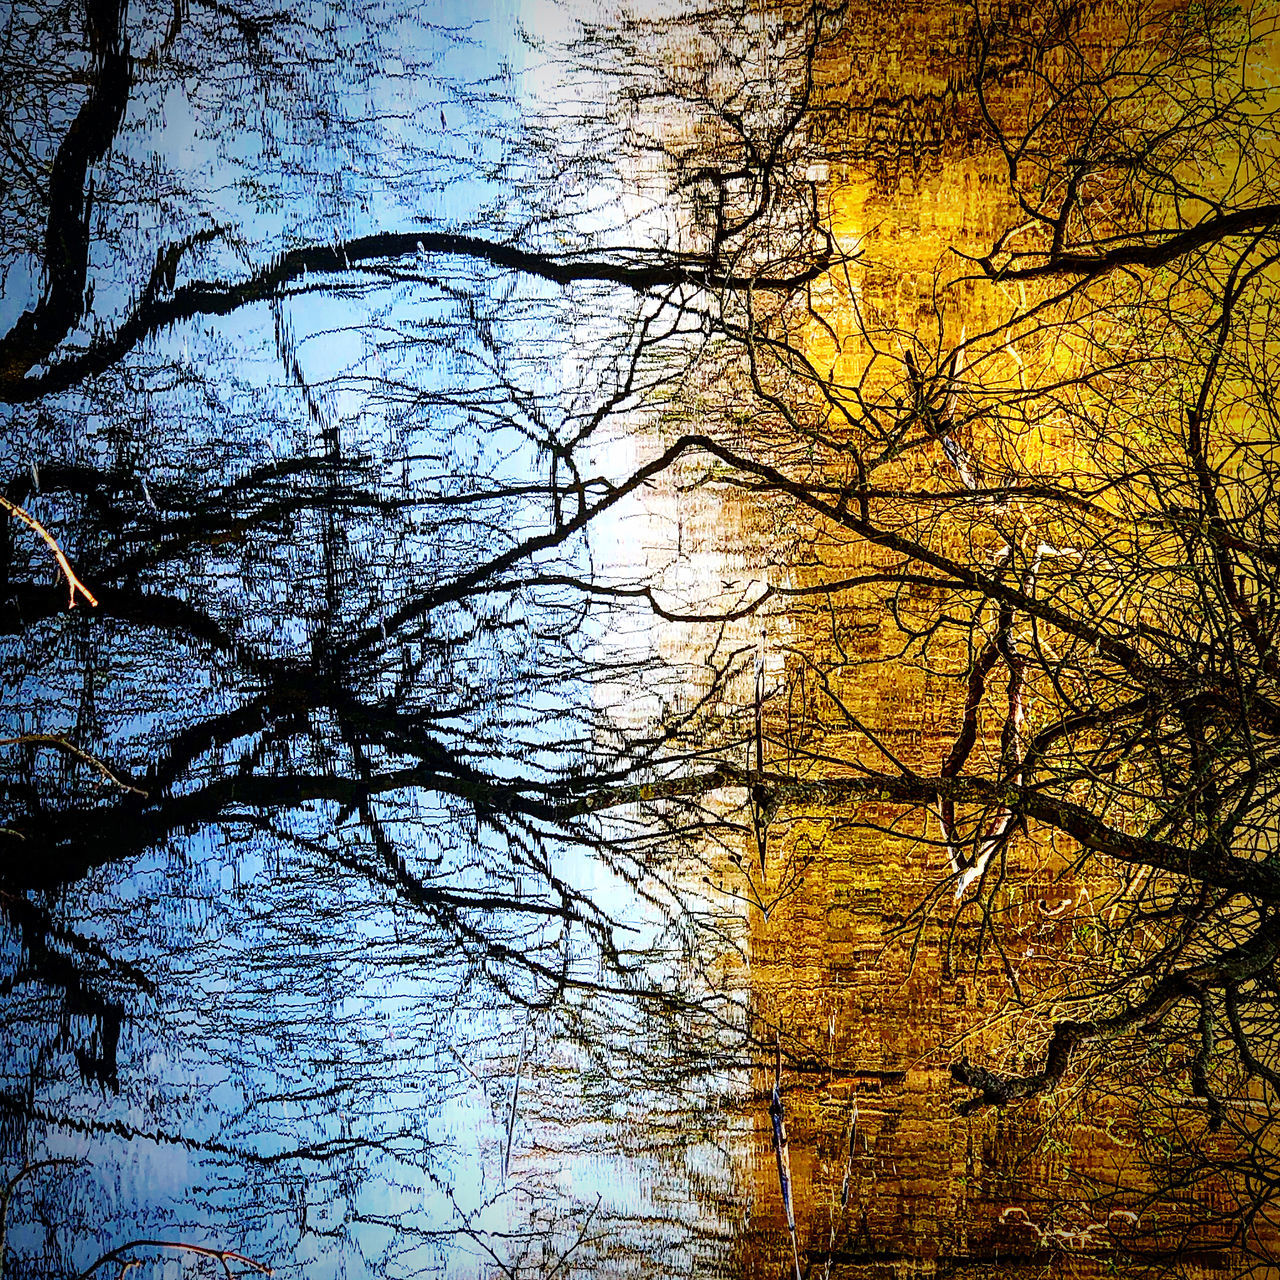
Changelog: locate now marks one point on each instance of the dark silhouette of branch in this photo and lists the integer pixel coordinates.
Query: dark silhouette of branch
(37, 333)
(640, 270)
(224, 1257)
(1150, 250)
(1225, 971)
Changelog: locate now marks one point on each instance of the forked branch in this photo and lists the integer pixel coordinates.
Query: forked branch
(223, 1256)
(74, 584)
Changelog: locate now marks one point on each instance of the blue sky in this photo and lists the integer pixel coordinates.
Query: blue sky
(210, 175)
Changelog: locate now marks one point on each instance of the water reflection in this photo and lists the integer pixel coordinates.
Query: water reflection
(432, 915)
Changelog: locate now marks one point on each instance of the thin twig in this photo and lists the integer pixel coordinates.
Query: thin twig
(582, 1235)
(7, 1195)
(73, 583)
(515, 1095)
(844, 1186)
(225, 1256)
(61, 744)
(783, 1153)
(758, 818)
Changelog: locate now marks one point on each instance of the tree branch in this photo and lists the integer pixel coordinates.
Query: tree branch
(637, 270)
(37, 333)
(74, 584)
(1154, 249)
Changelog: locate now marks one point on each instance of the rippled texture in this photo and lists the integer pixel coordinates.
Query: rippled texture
(673, 667)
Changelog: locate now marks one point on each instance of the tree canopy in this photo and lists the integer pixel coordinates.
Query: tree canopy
(373, 742)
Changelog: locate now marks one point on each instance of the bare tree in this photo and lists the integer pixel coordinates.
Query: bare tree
(1064, 510)
(347, 610)
(332, 487)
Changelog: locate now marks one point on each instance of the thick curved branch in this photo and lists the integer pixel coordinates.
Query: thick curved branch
(641, 271)
(1153, 249)
(1225, 971)
(223, 1256)
(1203, 863)
(37, 333)
(1262, 714)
